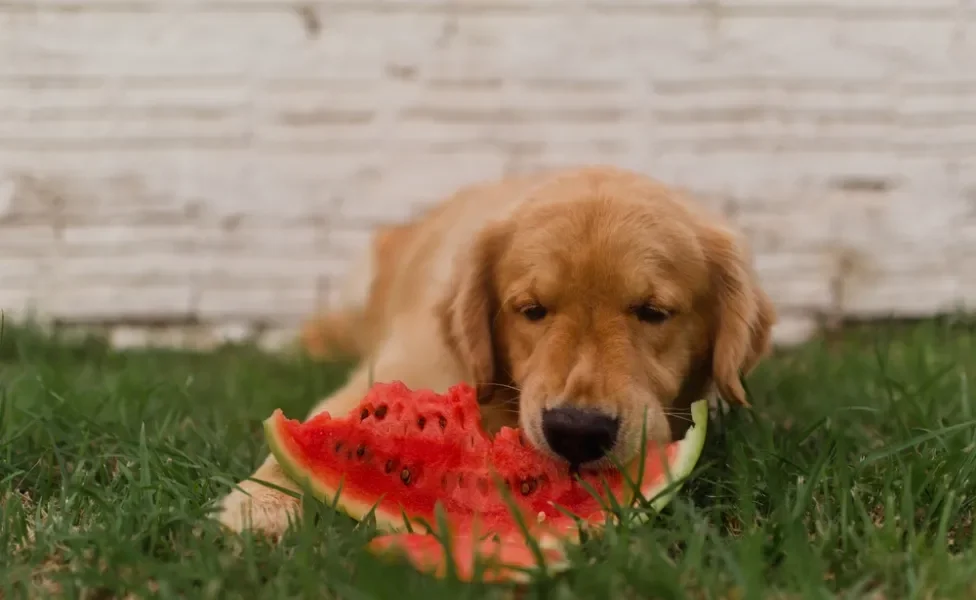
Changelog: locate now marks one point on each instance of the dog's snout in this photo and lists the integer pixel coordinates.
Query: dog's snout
(579, 435)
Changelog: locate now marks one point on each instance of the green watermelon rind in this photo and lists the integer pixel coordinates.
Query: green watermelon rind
(353, 508)
(689, 451)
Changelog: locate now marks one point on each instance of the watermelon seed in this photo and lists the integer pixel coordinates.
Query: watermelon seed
(361, 450)
(389, 466)
(421, 422)
(528, 486)
(405, 476)
(380, 411)
(442, 421)
(364, 414)
(338, 447)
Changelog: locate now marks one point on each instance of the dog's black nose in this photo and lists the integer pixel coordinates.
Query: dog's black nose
(579, 435)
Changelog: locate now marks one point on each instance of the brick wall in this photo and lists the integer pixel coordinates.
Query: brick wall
(217, 161)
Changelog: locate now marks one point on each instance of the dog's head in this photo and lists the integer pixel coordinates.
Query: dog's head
(611, 304)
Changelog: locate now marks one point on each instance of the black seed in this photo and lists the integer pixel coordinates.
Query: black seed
(338, 447)
(528, 486)
(405, 476)
(361, 450)
(381, 411)
(421, 422)
(389, 466)
(364, 414)
(442, 421)
(460, 480)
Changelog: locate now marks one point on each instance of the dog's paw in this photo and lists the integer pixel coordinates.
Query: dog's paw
(718, 409)
(258, 508)
(717, 406)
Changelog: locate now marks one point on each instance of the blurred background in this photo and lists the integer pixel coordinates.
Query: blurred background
(189, 171)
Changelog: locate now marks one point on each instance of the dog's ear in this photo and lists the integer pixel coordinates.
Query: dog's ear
(468, 311)
(743, 317)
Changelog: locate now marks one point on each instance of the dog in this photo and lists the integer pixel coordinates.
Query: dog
(585, 305)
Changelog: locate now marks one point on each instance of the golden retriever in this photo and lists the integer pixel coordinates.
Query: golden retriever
(584, 304)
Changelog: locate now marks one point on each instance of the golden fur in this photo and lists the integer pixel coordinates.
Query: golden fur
(647, 303)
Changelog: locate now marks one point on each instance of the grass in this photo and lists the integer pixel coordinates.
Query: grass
(854, 476)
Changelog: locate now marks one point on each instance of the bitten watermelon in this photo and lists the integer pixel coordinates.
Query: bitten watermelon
(404, 452)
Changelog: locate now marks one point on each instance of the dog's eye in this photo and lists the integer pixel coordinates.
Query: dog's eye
(534, 312)
(650, 314)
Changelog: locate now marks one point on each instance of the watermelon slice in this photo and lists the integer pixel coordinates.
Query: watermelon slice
(403, 453)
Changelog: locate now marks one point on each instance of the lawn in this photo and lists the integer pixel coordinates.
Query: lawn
(853, 476)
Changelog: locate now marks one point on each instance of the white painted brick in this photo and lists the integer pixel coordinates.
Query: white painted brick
(26, 241)
(900, 43)
(888, 6)
(916, 295)
(8, 190)
(925, 104)
(407, 183)
(265, 42)
(787, 49)
(800, 292)
(773, 235)
(16, 272)
(120, 131)
(966, 294)
(126, 241)
(951, 137)
(791, 330)
(266, 303)
(297, 240)
(761, 181)
(236, 270)
(127, 268)
(225, 159)
(349, 242)
(110, 302)
(15, 302)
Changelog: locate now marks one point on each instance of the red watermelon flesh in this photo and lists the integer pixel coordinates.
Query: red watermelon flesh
(403, 452)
